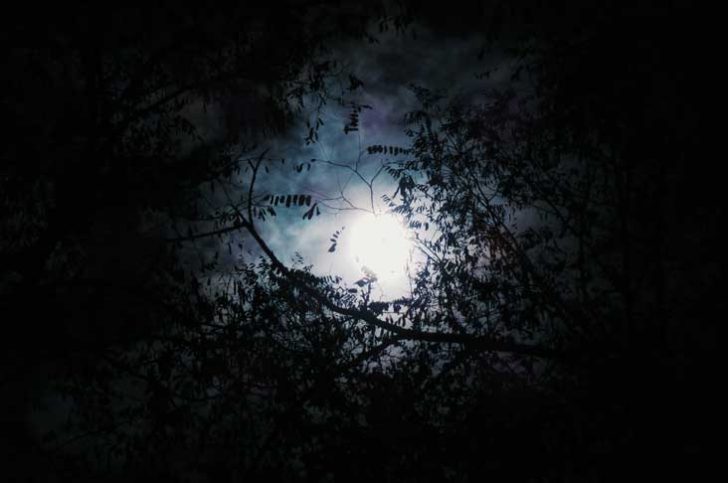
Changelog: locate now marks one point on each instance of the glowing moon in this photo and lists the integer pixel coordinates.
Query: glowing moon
(380, 243)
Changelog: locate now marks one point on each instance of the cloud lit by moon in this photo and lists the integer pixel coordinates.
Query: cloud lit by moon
(388, 70)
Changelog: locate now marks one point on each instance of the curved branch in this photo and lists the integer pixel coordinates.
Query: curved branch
(255, 166)
(474, 342)
(481, 343)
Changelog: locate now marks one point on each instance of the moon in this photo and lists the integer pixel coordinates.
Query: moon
(380, 244)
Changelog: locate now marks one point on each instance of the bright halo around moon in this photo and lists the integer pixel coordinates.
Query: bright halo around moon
(381, 245)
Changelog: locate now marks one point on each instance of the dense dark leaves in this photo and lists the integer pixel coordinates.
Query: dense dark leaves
(561, 310)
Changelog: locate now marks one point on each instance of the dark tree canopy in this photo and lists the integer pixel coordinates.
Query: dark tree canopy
(562, 323)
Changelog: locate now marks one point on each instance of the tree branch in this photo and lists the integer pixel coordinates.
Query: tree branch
(471, 341)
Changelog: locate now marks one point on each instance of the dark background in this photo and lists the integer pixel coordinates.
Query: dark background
(77, 175)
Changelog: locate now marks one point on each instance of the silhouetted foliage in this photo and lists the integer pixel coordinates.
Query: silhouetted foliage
(559, 325)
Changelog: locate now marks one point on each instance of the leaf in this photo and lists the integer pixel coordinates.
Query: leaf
(354, 83)
(309, 213)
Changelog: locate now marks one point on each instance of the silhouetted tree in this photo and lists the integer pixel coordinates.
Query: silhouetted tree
(108, 141)
(552, 325)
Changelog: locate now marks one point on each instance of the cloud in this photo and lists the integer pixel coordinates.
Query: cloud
(388, 69)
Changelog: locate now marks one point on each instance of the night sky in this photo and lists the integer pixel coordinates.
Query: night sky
(329, 241)
(388, 70)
